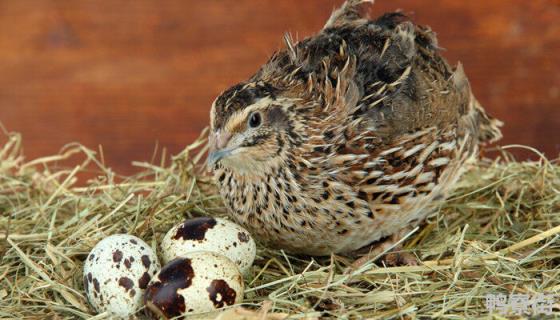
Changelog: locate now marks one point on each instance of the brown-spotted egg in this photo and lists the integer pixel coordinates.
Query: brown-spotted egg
(210, 234)
(201, 282)
(116, 273)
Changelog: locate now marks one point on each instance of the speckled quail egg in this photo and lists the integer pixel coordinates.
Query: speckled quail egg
(210, 234)
(116, 273)
(202, 282)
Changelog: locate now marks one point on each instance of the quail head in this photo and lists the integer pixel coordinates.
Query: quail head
(346, 137)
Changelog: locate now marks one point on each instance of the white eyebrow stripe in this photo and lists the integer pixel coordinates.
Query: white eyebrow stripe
(213, 113)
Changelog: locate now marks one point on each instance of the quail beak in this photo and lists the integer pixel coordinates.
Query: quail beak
(216, 156)
(218, 149)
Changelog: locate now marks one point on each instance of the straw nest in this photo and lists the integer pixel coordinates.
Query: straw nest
(496, 234)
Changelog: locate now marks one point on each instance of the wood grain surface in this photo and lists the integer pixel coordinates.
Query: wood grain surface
(126, 74)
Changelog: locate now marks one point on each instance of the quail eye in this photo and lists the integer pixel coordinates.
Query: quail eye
(255, 120)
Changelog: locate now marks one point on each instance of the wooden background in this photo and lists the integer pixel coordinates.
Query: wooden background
(125, 74)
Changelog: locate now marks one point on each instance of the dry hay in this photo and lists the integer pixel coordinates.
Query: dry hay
(497, 234)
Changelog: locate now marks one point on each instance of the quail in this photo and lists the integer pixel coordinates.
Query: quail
(347, 138)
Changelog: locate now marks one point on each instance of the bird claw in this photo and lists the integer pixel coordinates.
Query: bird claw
(394, 257)
(391, 259)
(397, 259)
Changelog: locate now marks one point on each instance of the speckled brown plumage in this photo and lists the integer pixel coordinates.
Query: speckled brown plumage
(345, 137)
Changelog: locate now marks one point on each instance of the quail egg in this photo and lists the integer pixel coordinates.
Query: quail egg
(116, 273)
(201, 282)
(210, 234)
